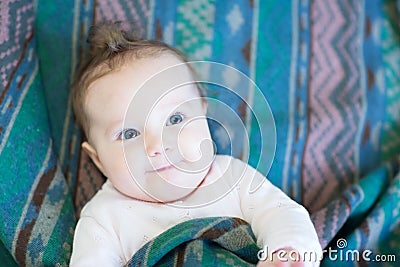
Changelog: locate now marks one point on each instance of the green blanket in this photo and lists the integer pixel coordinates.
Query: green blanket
(215, 241)
(330, 71)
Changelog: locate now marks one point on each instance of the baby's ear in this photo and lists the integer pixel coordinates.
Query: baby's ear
(93, 155)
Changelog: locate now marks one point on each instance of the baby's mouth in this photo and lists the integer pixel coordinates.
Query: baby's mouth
(166, 165)
(164, 168)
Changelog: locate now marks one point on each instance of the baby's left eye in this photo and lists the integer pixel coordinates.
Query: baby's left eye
(175, 119)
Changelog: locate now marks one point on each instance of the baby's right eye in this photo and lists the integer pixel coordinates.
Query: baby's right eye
(129, 134)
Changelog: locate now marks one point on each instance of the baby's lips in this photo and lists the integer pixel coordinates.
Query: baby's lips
(162, 168)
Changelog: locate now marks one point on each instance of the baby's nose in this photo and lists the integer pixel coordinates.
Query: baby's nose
(154, 145)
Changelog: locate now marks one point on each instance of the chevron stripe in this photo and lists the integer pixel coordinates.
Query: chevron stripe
(350, 95)
(329, 162)
(135, 13)
(12, 41)
(329, 220)
(11, 38)
(320, 118)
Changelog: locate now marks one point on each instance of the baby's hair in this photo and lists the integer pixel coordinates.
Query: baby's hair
(111, 47)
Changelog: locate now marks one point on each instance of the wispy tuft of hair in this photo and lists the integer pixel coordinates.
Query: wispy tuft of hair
(110, 47)
(111, 38)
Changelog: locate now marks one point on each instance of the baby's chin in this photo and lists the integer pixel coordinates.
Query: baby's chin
(167, 196)
(165, 188)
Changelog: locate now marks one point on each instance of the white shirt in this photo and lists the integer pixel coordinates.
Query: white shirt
(112, 226)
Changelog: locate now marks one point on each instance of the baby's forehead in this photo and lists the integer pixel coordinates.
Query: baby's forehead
(170, 79)
(165, 101)
(141, 83)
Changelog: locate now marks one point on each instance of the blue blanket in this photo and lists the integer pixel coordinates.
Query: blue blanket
(330, 71)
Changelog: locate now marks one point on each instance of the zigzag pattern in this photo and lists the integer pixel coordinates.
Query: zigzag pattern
(329, 220)
(16, 22)
(334, 102)
(133, 12)
(391, 62)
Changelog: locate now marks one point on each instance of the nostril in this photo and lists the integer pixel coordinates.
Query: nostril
(153, 152)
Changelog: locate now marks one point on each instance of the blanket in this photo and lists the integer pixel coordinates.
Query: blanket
(215, 241)
(330, 71)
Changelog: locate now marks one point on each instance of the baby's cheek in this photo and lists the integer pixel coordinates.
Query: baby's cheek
(195, 147)
(189, 150)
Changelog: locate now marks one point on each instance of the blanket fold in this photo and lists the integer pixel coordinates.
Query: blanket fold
(216, 241)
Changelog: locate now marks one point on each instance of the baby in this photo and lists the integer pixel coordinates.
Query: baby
(145, 122)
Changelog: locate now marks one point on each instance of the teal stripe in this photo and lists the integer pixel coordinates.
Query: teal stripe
(59, 47)
(273, 72)
(6, 258)
(22, 158)
(54, 45)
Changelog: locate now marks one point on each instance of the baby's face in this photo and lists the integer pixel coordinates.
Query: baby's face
(149, 134)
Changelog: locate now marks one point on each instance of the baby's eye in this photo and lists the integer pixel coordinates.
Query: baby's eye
(175, 119)
(129, 134)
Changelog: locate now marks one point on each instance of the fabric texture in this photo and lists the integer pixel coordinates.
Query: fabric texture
(330, 71)
(106, 235)
(199, 242)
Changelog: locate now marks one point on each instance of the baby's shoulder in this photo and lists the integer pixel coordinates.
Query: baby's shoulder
(104, 201)
(228, 167)
(223, 159)
(228, 161)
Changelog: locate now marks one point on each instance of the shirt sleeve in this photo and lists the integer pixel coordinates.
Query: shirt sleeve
(94, 246)
(277, 221)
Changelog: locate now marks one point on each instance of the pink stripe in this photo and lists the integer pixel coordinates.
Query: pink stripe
(355, 100)
(105, 11)
(326, 122)
(144, 8)
(113, 11)
(139, 28)
(321, 133)
(4, 21)
(118, 11)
